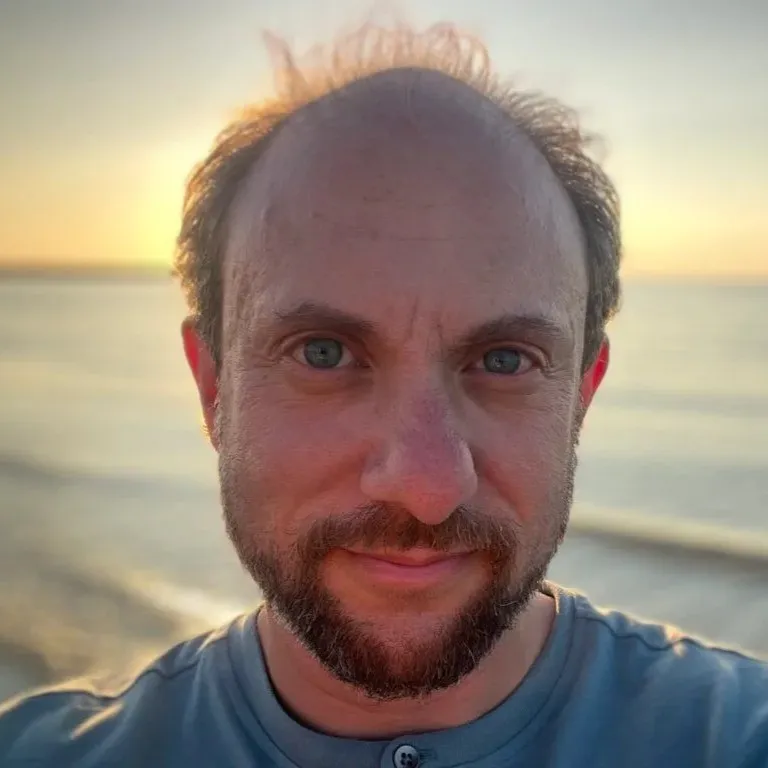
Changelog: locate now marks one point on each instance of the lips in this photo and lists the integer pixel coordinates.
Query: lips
(409, 570)
(414, 558)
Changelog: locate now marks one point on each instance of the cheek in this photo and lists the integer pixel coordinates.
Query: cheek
(300, 458)
(526, 457)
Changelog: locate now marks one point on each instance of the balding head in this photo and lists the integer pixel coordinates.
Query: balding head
(403, 115)
(378, 69)
(410, 158)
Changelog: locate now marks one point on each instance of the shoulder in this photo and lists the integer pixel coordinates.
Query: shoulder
(664, 647)
(682, 681)
(80, 723)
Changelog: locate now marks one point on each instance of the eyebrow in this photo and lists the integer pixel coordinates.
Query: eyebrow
(311, 315)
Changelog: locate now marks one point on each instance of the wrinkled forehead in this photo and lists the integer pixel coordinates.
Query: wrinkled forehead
(407, 184)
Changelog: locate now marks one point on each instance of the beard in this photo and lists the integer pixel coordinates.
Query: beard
(293, 588)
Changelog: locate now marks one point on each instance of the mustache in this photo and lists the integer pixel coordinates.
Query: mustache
(390, 526)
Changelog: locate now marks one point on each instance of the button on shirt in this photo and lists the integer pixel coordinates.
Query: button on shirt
(606, 691)
(406, 756)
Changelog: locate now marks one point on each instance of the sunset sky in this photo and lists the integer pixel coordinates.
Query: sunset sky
(107, 103)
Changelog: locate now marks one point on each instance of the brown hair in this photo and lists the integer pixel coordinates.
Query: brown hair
(215, 182)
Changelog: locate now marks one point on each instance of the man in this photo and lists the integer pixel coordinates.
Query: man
(399, 273)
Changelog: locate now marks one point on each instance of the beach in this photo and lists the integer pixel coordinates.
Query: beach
(112, 543)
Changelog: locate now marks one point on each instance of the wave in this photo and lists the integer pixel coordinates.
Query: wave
(64, 619)
(50, 475)
(744, 405)
(747, 547)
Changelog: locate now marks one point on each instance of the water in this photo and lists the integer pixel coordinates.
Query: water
(681, 427)
(93, 383)
(103, 464)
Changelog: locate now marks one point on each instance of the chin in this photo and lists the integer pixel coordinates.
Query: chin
(397, 644)
(416, 622)
(397, 656)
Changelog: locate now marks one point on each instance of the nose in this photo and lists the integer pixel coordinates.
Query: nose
(422, 462)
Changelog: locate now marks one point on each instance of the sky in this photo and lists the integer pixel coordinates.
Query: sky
(106, 105)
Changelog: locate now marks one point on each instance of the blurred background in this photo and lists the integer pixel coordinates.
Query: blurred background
(111, 541)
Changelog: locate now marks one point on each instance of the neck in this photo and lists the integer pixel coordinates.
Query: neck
(315, 697)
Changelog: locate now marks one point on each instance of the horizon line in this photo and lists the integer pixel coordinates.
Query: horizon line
(165, 271)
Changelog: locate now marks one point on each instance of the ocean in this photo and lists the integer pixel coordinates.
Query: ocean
(108, 486)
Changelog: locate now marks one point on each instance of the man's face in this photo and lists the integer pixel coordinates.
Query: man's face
(398, 402)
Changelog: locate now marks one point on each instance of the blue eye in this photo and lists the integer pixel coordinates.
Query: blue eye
(323, 353)
(504, 361)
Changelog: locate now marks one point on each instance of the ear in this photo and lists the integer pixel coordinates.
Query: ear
(595, 374)
(203, 368)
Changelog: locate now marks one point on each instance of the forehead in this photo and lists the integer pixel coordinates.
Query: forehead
(418, 199)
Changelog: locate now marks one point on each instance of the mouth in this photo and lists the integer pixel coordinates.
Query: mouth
(412, 567)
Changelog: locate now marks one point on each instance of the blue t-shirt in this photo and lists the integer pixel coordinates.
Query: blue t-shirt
(606, 692)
